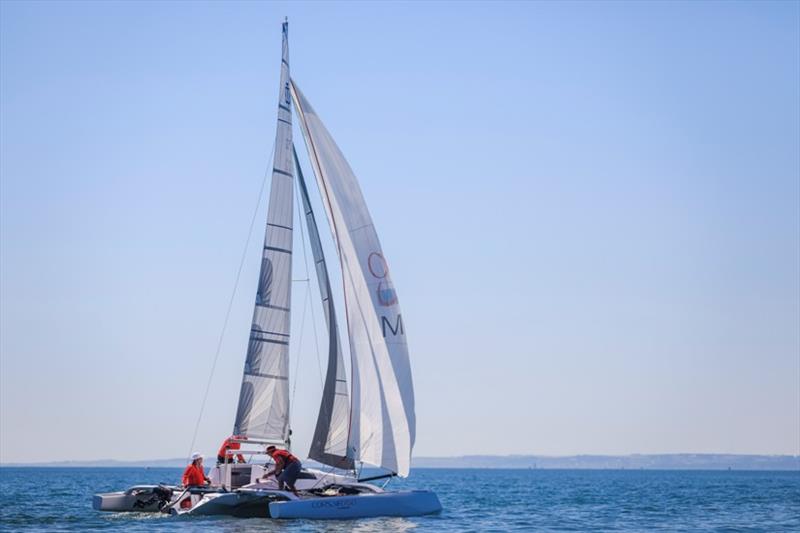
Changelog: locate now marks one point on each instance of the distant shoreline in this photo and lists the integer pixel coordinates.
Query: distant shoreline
(683, 461)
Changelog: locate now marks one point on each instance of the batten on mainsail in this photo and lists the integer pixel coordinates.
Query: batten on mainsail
(329, 444)
(382, 424)
(263, 410)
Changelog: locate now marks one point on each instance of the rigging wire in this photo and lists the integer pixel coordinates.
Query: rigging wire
(305, 262)
(230, 302)
(308, 303)
(299, 347)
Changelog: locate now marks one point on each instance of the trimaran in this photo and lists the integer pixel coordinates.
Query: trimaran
(373, 423)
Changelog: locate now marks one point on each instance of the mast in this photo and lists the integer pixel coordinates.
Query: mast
(263, 410)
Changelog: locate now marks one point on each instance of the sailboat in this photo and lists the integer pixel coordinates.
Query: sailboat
(371, 422)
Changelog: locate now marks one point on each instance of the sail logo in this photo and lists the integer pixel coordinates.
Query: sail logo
(380, 270)
(386, 295)
(395, 329)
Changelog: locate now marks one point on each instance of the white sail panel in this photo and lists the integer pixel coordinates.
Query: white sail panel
(329, 444)
(263, 410)
(382, 425)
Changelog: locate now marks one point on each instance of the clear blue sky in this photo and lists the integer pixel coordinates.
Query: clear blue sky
(592, 213)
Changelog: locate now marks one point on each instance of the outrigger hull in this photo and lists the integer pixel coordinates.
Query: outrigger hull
(405, 503)
(138, 499)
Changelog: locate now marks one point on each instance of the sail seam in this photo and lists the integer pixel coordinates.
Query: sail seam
(270, 306)
(282, 250)
(279, 171)
(360, 228)
(268, 332)
(279, 226)
(273, 341)
(268, 376)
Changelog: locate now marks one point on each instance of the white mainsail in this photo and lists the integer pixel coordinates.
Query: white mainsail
(329, 445)
(263, 410)
(382, 421)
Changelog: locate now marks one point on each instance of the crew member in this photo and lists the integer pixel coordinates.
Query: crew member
(287, 468)
(229, 444)
(194, 476)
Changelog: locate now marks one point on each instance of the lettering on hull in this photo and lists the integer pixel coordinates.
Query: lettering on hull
(333, 504)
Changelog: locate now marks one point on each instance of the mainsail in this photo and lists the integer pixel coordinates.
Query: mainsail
(329, 445)
(263, 411)
(382, 421)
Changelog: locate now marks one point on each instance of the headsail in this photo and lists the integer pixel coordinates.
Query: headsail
(382, 425)
(329, 445)
(263, 410)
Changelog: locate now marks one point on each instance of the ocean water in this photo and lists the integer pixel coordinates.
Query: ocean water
(59, 499)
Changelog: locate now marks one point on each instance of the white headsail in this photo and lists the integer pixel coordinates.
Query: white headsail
(263, 410)
(383, 424)
(329, 445)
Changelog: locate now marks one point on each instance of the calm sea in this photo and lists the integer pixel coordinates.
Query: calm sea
(59, 499)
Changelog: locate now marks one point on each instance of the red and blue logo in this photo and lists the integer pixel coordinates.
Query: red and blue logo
(380, 270)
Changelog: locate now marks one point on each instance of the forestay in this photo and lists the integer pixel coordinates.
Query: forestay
(263, 410)
(382, 424)
(329, 445)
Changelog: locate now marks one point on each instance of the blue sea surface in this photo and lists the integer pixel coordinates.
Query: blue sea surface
(60, 499)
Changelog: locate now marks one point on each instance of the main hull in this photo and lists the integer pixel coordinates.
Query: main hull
(405, 503)
(242, 504)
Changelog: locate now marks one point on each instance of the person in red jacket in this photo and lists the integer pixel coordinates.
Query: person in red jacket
(228, 444)
(287, 468)
(194, 476)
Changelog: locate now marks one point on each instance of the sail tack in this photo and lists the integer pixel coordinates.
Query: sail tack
(329, 445)
(382, 421)
(263, 410)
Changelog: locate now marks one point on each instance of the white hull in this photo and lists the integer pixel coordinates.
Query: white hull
(405, 503)
(249, 494)
(243, 503)
(253, 500)
(141, 499)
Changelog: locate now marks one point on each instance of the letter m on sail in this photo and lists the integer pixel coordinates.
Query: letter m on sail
(397, 328)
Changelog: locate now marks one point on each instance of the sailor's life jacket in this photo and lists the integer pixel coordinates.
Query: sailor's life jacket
(229, 445)
(285, 456)
(193, 475)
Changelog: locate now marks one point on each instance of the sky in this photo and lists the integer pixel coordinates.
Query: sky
(591, 212)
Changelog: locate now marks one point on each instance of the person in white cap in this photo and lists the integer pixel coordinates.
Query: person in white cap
(194, 476)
